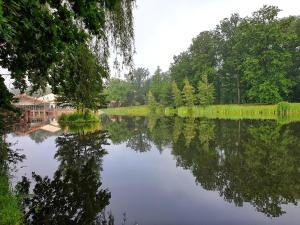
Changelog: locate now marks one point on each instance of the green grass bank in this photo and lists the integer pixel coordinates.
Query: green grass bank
(79, 117)
(10, 210)
(142, 110)
(285, 112)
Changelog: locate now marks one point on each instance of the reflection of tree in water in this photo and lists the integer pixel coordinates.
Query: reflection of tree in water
(161, 133)
(133, 131)
(255, 162)
(74, 195)
(245, 161)
(9, 157)
(10, 212)
(40, 136)
(189, 131)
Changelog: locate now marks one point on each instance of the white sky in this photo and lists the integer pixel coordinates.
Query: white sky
(164, 28)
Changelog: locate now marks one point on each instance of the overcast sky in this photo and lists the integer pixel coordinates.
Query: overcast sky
(164, 28)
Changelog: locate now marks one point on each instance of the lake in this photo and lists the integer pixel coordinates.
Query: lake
(160, 170)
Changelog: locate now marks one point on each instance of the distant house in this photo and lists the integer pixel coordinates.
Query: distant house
(25, 101)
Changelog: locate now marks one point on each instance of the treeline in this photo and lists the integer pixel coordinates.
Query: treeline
(254, 59)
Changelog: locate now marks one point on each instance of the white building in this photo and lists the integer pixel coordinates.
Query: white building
(49, 99)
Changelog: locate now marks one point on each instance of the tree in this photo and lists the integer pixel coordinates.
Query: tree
(36, 36)
(230, 52)
(160, 86)
(251, 59)
(267, 58)
(155, 82)
(181, 67)
(188, 94)
(118, 90)
(79, 79)
(5, 96)
(151, 101)
(176, 94)
(138, 79)
(206, 91)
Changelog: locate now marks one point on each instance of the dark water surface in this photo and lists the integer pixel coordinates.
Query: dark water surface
(151, 171)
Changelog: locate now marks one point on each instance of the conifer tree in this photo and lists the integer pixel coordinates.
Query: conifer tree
(176, 94)
(206, 95)
(188, 94)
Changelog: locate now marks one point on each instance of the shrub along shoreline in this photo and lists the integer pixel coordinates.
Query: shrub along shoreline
(79, 117)
(283, 111)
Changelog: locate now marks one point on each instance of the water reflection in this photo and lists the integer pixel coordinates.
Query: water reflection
(74, 195)
(256, 162)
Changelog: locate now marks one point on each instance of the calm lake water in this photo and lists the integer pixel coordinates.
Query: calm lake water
(167, 170)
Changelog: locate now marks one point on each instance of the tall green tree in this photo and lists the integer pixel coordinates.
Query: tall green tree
(188, 94)
(138, 79)
(176, 94)
(230, 55)
(160, 86)
(267, 59)
(152, 104)
(206, 91)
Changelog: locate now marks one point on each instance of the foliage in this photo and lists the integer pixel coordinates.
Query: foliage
(5, 96)
(85, 116)
(81, 82)
(10, 212)
(138, 80)
(283, 109)
(10, 209)
(160, 86)
(39, 38)
(119, 91)
(268, 58)
(206, 91)
(152, 104)
(188, 94)
(248, 60)
(176, 94)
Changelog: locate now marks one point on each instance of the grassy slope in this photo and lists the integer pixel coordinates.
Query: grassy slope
(217, 111)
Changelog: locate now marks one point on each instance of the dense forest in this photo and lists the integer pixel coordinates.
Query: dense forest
(254, 59)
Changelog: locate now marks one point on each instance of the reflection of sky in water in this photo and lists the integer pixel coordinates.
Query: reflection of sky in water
(150, 188)
(39, 156)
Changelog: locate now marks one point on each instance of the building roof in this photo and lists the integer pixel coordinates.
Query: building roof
(24, 99)
(48, 98)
